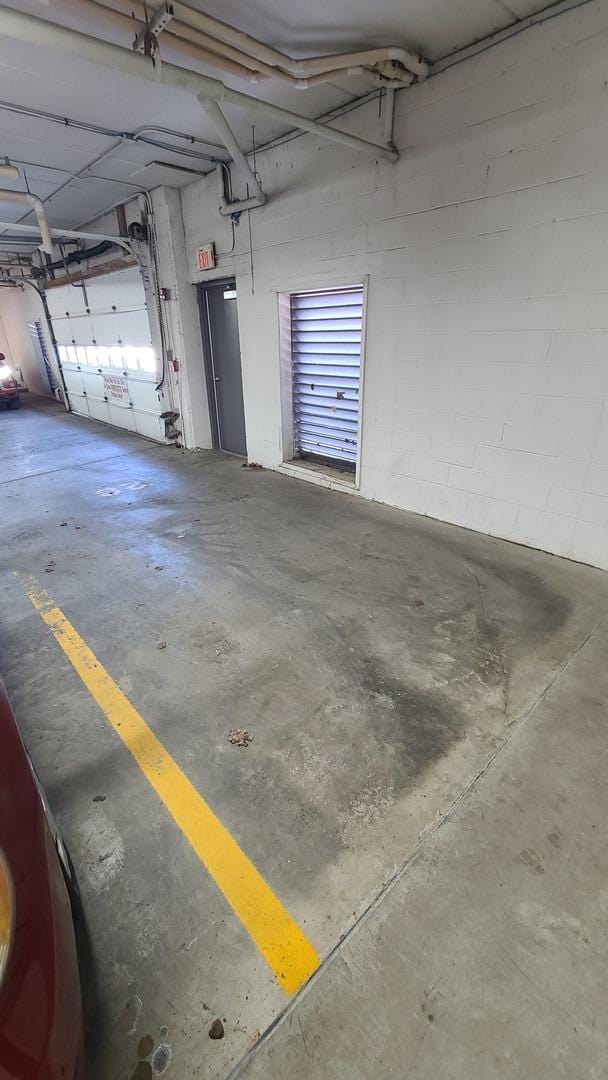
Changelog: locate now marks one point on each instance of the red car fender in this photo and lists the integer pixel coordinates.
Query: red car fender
(40, 1004)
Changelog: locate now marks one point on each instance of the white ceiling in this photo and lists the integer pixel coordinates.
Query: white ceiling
(40, 78)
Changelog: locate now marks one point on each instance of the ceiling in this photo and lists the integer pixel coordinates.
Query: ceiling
(37, 78)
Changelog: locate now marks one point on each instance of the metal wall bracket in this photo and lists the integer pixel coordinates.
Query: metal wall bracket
(157, 24)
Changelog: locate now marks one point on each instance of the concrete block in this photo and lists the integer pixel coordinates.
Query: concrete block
(550, 532)
(590, 544)
(453, 451)
(547, 439)
(478, 430)
(579, 347)
(594, 508)
(473, 480)
(600, 450)
(492, 515)
(521, 490)
(447, 504)
(544, 469)
(572, 412)
(596, 480)
(565, 501)
(423, 423)
(505, 406)
(591, 380)
(409, 442)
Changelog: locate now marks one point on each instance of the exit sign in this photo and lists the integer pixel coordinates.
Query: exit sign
(205, 257)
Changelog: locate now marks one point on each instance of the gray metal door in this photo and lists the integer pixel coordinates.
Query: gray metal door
(326, 329)
(223, 354)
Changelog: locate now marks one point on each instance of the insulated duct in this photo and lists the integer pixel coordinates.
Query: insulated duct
(200, 36)
(35, 30)
(36, 204)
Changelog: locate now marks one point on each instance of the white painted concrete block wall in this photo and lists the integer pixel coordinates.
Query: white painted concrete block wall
(18, 307)
(486, 252)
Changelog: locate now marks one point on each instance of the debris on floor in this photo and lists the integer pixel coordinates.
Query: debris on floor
(216, 1031)
(51, 566)
(251, 465)
(162, 645)
(240, 737)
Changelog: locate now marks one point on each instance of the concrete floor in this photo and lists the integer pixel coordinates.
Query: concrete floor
(428, 708)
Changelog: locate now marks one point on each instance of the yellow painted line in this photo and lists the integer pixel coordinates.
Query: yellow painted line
(284, 947)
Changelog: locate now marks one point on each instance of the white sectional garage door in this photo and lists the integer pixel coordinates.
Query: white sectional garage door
(105, 349)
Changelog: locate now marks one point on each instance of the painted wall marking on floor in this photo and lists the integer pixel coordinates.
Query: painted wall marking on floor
(284, 947)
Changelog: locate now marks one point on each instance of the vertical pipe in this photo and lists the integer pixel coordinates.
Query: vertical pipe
(226, 133)
(389, 116)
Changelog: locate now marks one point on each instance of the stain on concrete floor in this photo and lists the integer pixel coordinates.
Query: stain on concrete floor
(379, 657)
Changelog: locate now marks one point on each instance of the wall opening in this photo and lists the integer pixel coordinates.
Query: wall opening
(325, 343)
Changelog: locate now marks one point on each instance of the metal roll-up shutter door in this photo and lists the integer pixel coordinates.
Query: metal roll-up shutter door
(326, 330)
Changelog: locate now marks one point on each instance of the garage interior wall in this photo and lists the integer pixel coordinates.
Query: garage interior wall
(183, 386)
(18, 307)
(485, 252)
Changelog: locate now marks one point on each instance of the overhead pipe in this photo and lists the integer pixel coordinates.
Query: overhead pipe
(226, 133)
(216, 51)
(235, 97)
(84, 174)
(65, 234)
(217, 152)
(36, 204)
(8, 171)
(389, 116)
(370, 57)
(191, 25)
(120, 137)
(301, 68)
(35, 30)
(111, 19)
(228, 207)
(175, 28)
(139, 135)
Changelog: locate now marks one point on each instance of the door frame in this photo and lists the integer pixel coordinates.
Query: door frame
(202, 293)
(283, 300)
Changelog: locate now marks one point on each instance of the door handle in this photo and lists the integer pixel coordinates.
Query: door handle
(217, 378)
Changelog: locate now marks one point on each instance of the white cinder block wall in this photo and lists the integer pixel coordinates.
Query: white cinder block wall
(486, 253)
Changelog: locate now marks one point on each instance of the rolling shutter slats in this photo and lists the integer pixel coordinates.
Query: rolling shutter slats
(326, 357)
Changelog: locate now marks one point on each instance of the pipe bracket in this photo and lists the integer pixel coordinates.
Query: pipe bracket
(161, 18)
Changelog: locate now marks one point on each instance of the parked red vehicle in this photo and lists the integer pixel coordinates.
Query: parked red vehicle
(9, 387)
(40, 1005)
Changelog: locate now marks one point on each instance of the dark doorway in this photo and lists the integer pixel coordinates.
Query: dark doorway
(222, 352)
